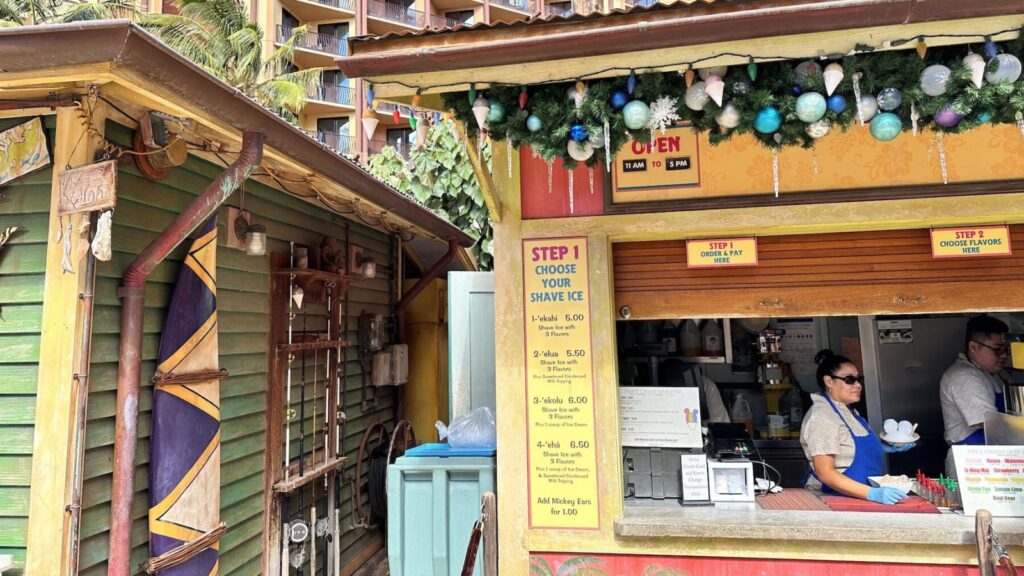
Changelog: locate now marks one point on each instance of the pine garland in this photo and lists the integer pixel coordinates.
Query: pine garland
(774, 86)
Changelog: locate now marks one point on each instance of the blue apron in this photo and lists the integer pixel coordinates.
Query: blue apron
(868, 455)
(977, 438)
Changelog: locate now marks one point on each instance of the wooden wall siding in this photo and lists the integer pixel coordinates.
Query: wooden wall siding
(144, 208)
(26, 203)
(890, 271)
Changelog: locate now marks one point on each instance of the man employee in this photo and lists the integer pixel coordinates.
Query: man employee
(972, 386)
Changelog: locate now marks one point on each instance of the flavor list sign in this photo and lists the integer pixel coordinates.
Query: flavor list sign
(971, 241)
(562, 481)
(991, 477)
(721, 252)
(660, 416)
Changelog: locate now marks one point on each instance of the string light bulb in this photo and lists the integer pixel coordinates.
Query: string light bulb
(922, 48)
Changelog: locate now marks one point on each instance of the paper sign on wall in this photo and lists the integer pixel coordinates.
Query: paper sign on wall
(971, 241)
(991, 477)
(660, 416)
(721, 252)
(694, 469)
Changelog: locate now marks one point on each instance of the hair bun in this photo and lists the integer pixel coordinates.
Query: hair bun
(823, 355)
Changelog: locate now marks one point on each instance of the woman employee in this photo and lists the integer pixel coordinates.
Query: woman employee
(842, 449)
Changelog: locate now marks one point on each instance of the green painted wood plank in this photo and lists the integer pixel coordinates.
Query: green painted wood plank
(242, 385)
(17, 569)
(17, 410)
(18, 319)
(12, 531)
(242, 468)
(14, 502)
(244, 446)
(27, 196)
(15, 470)
(18, 378)
(32, 228)
(23, 259)
(21, 289)
(16, 440)
(239, 365)
(235, 495)
(101, 433)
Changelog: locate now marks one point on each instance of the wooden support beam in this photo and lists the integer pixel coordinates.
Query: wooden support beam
(483, 176)
(60, 349)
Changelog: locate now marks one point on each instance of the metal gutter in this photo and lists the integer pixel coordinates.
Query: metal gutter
(129, 48)
(129, 365)
(684, 25)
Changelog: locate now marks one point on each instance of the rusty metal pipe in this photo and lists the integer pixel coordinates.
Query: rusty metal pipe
(420, 285)
(129, 366)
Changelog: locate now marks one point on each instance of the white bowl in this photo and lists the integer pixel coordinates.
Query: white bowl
(901, 440)
(901, 486)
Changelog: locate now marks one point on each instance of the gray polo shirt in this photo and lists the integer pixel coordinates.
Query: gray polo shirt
(966, 392)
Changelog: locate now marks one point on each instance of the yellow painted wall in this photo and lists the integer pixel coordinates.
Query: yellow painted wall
(425, 396)
(516, 540)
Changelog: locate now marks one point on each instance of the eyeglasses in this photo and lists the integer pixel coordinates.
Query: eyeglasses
(850, 380)
(999, 350)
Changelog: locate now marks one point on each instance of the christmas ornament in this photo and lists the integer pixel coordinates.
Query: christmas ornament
(752, 70)
(775, 168)
(768, 120)
(806, 72)
(497, 112)
(728, 117)
(480, 110)
(416, 99)
(715, 88)
(412, 122)
(921, 48)
(984, 118)
(580, 152)
(886, 126)
(472, 93)
(523, 97)
(1007, 71)
(369, 96)
(369, 124)
(856, 96)
(607, 147)
(575, 95)
(947, 117)
(397, 116)
(422, 128)
(976, 64)
(533, 124)
(619, 99)
(631, 83)
(914, 117)
(1019, 117)
(797, 90)
(833, 76)
(868, 107)
(663, 114)
(818, 129)
(719, 71)
(837, 103)
(696, 97)
(437, 117)
(741, 87)
(636, 114)
(934, 80)
(596, 140)
(688, 77)
(810, 107)
(940, 142)
(990, 48)
(889, 99)
(578, 132)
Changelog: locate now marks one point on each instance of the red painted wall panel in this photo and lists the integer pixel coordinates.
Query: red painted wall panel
(546, 564)
(537, 202)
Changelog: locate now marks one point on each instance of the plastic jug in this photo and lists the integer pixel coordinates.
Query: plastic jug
(711, 339)
(742, 414)
(689, 339)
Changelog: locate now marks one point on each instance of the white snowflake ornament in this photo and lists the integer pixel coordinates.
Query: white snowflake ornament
(663, 114)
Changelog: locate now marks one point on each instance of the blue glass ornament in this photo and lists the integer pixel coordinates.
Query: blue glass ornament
(837, 103)
(797, 90)
(533, 123)
(768, 120)
(810, 107)
(619, 99)
(578, 132)
(890, 99)
(886, 126)
(983, 118)
(369, 95)
(636, 114)
(631, 83)
(497, 111)
(991, 49)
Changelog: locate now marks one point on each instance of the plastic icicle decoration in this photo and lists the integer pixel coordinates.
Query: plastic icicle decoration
(550, 163)
(590, 175)
(814, 159)
(1020, 122)
(508, 157)
(775, 170)
(942, 156)
(914, 117)
(608, 144)
(856, 96)
(572, 193)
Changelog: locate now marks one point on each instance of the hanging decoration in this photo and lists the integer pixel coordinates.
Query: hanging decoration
(921, 47)
(1020, 123)
(481, 109)
(572, 193)
(101, 240)
(397, 116)
(940, 144)
(779, 101)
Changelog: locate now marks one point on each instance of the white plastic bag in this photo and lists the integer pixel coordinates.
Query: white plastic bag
(475, 429)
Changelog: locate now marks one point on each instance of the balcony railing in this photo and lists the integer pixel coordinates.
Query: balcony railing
(314, 41)
(349, 5)
(389, 107)
(340, 143)
(376, 146)
(335, 93)
(396, 13)
(550, 10)
(438, 22)
(642, 3)
(521, 5)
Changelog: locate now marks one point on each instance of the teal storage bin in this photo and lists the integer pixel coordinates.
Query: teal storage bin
(432, 505)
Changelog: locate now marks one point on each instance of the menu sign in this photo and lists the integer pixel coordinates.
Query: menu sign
(991, 477)
(971, 241)
(657, 416)
(721, 252)
(561, 436)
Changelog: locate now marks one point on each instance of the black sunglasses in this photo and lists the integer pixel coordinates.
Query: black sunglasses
(850, 380)
(999, 350)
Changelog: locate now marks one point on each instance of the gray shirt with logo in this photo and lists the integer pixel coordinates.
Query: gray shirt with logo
(966, 393)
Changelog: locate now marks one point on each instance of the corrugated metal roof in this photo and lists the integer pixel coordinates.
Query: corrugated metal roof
(537, 19)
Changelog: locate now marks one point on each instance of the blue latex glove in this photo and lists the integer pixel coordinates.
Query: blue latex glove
(893, 448)
(886, 495)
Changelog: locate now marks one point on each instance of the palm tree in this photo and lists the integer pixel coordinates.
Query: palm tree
(218, 36)
(25, 12)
